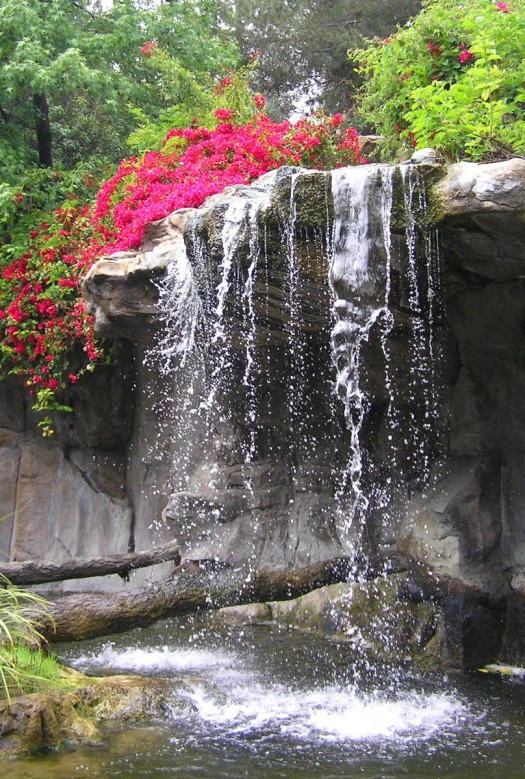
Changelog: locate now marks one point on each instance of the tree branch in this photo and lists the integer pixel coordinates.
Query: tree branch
(43, 571)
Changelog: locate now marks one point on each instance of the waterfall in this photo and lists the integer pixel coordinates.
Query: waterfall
(369, 253)
(262, 466)
(360, 275)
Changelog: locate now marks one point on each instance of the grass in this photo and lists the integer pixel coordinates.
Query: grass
(23, 666)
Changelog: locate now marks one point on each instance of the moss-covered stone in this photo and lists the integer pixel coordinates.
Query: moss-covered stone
(42, 721)
(383, 626)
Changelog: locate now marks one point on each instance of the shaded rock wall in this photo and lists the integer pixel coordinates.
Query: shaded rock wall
(67, 497)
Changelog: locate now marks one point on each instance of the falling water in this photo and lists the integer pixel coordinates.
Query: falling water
(267, 702)
(361, 237)
(218, 368)
(367, 254)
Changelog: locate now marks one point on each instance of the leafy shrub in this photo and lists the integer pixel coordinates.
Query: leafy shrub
(452, 79)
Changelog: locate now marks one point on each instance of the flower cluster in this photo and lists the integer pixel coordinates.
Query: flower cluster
(42, 314)
(148, 48)
(465, 55)
(197, 162)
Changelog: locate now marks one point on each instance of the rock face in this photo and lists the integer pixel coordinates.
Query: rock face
(382, 625)
(239, 446)
(67, 497)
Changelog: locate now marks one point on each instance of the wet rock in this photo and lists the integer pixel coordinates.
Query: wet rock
(381, 624)
(42, 721)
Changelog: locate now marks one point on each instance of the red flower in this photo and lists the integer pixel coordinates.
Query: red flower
(434, 48)
(223, 113)
(148, 48)
(337, 120)
(503, 7)
(465, 56)
(260, 101)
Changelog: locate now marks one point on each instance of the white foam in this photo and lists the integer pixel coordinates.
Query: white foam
(158, 659)
(237, 702)
(333, 714)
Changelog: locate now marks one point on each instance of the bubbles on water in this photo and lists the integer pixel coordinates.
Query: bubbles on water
(330, 713)
(158, 659)
(231, 699)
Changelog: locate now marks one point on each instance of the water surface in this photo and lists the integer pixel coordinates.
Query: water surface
(269, 703)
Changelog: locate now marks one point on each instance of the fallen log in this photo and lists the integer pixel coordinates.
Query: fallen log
(44, 571)
(194, 588)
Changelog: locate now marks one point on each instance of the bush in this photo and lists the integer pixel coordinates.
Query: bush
(453, 79)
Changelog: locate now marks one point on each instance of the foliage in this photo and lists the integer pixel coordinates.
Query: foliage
(85, 55)
(303, 46)
(20, 612)
(453, 79)
(231, 93)
(34, 671)
(42, 315)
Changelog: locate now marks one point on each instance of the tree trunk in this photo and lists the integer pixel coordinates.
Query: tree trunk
(43, 131)
(43, 571)
(84, 616)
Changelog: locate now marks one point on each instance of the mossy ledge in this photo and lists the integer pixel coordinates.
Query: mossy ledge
(44, 721)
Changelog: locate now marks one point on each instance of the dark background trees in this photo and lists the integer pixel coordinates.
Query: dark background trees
(303, 45)
(72, 74)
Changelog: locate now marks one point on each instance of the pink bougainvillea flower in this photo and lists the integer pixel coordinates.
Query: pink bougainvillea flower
(223, 113)
(465, 56)
(260, 101)
(148, 48)
(503, 7)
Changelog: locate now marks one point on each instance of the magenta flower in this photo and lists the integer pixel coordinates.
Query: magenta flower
(465, 56)
(223, 113)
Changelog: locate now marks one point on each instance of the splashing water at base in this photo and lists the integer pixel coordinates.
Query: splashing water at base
(235, 700)
(267, 704)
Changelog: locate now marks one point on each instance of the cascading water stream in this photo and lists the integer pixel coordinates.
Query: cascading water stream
(361, 299)
(213, 351)
(367, 256)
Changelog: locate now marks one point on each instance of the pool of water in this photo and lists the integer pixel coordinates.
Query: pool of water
(269, 703)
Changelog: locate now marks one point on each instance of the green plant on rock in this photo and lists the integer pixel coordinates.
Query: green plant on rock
(452, 79)
(23, 667)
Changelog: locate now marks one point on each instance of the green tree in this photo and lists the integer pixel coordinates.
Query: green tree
(72, 73)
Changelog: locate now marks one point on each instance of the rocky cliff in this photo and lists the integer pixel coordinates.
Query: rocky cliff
(218, 423)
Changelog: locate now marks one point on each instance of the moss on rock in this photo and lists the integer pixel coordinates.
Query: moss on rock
(43, 721)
